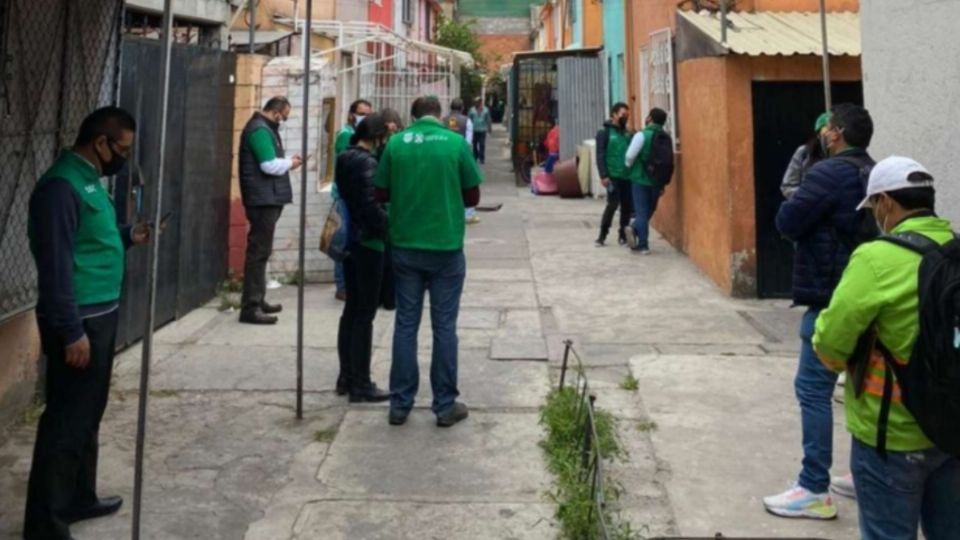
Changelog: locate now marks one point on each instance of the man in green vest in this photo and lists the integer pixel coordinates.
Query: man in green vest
(359, 110)
(428, 176)
(79, 251)
(612, 143)
(645, 190)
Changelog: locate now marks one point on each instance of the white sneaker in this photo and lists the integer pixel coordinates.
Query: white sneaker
(631, 237)
(842, 379)
(843, 485)
(798, 502)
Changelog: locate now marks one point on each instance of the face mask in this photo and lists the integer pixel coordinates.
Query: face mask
(115, 165)
(825, 145)
(359, 118)
(622, 122)
(881, 223)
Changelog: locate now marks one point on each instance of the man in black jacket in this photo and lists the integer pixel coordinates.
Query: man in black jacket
(265, 188)
(612, 143)
(822, 219)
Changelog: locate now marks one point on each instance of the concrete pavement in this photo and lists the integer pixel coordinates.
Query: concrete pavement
(712, 427)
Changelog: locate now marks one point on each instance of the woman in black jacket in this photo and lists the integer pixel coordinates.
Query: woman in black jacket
(363, 267)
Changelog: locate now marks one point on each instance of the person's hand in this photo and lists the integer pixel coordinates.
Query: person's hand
(605, 182)
(78, 353)
(296, 162)
(140, 233)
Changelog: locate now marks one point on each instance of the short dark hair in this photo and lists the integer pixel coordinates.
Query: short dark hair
(916, 198)
(854, 124)
(617, 107)
(277, 104)
(372, 128)
(106, 121)
(356, 105)
(658, 116)
(456, 105)
(426, 106)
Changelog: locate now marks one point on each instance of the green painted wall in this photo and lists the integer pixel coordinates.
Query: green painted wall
(495, 8)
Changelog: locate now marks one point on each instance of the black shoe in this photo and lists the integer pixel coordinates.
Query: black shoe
(257, 317)
(103, 507)
(343, 387)
(600, 242)
(622, 240)
(270, 308)
(341, 296)
(370, 394)
(397, 418)
(457, 414)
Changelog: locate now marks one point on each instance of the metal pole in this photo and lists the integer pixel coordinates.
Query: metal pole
(308, 32)
(152, 273)
(827, 94)
(723, 22)
(252, 8)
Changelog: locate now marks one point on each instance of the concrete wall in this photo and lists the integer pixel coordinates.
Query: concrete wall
(208, 11)
(20, 342)
(910, 79)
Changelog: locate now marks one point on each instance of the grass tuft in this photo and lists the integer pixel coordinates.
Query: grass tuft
(325, 436)
(630, 383)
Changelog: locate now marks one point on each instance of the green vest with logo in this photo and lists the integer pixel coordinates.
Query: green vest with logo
(638, 172)
(98, 251)
(617, 144)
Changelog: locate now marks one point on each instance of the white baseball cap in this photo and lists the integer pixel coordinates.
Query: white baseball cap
(893, 174)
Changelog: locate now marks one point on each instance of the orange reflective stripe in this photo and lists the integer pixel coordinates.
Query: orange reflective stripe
(873, 385)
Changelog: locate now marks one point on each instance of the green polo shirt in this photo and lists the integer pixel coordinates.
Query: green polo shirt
(426, 168)
(261, 144)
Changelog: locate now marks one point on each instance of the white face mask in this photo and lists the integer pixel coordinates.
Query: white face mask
(358, 118)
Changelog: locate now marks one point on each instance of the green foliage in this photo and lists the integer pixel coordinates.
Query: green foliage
(571, 491)
(460, 36)
(325, 436)
(630, 383)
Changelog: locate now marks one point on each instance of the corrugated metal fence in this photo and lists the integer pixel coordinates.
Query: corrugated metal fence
(580, 93)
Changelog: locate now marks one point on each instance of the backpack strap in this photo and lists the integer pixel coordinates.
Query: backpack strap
(913, 241)
(883, 419)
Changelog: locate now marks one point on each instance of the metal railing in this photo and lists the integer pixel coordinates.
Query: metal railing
(591, 456)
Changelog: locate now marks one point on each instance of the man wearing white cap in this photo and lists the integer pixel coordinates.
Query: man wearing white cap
(902, 480)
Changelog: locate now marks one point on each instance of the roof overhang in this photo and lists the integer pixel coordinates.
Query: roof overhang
(767, 33)
(241, 38)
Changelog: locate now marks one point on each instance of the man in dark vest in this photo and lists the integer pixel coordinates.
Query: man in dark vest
(265, 188)
(80, 252)
(612, 143)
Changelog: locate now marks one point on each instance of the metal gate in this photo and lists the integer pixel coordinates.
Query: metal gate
(581, 104)
(193, 247)
(783, 117)
(58, 62)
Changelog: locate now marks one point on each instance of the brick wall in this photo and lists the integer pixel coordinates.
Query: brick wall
(498, 49)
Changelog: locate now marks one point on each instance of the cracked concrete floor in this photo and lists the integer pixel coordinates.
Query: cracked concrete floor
(711, 428)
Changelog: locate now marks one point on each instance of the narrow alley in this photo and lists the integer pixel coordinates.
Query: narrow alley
(711, 428)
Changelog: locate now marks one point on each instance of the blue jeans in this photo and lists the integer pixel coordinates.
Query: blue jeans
(644, 203)
(338, 277)
(814, 386)
(906, 489)
(415, 272)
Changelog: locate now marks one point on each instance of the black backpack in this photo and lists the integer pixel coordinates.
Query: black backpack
(660, 164)
(865, 228)
(930, 382)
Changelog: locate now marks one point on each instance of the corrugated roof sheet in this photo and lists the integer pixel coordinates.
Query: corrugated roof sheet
(781, 33)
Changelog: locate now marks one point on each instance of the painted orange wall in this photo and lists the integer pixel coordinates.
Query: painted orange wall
(709, 210)
(592, 23)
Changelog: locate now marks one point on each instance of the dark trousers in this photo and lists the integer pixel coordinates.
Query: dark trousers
(619, 195)
(64, 472)
(263, 223)
(480, 145)
(388, 291)
(363, 271)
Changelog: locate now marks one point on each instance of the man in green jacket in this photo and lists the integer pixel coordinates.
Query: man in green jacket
(79, 251)
(645, 191)
(915, 483)
(429, 177)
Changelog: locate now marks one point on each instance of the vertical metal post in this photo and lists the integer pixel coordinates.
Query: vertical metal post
(566, 357)
(304, 140)
(252, 8)
(723, 22)
(152, 272)
(827, 94)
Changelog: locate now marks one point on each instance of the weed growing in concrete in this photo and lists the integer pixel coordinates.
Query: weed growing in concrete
(646, 425)
(229, 293)
(325, 436)
(630, 383)
(576, 509)
(164, 393)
